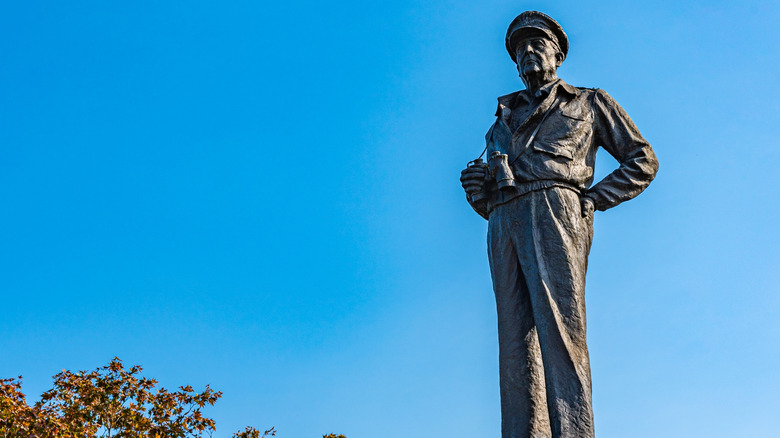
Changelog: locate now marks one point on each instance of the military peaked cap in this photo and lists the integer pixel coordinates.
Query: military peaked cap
(537, 22)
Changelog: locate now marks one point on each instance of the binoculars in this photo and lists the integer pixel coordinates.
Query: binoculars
(498, 170)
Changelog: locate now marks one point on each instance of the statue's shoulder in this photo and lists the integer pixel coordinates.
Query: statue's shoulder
(593, 94)
(602, 98)
(594, 91)
(506, 103)
(508, 99)
(589, 91)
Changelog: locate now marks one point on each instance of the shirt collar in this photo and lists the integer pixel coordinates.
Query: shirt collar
(525, 96)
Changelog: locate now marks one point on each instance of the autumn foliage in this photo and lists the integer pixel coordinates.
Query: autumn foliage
(110, 402)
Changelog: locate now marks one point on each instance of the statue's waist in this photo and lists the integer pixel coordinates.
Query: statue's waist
(521, 188)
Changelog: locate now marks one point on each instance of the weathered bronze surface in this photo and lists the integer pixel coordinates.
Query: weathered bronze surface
(536, 192)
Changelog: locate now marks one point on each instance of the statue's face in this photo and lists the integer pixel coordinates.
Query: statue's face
(537, 56)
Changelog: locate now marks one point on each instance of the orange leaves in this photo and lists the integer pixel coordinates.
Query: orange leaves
(18, 419)
(111, 402)
(251, 432)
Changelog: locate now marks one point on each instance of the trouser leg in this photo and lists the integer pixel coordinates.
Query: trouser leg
(553, 247)
(538, 247)
(523, 402)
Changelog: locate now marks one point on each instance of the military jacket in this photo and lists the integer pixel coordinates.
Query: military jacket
(551, 139)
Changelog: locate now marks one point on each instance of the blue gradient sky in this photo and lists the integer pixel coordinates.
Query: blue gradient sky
(264, 197)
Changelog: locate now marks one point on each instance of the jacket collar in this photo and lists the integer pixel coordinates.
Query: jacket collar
(524, 97)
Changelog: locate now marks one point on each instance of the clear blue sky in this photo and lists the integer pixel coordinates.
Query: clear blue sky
(264, 197)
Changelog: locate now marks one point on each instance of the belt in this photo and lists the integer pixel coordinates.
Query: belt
(523, 188)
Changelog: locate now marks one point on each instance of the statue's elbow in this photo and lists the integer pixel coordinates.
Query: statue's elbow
(651, 165)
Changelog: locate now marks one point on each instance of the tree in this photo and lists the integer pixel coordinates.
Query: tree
(109, 402)
(18, 419)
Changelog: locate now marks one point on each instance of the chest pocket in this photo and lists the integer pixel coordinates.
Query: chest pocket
(563, 133)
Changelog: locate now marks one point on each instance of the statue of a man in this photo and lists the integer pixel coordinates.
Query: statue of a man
(536, 193)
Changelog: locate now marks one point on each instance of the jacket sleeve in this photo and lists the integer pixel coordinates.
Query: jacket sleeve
(618, 135)
(479, 207)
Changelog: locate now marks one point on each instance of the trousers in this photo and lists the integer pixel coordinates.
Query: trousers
(538, 247)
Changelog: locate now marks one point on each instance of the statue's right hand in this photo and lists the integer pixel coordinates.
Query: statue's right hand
(473, 178)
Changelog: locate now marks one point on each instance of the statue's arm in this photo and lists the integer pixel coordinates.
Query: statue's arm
(474, 178)
(618, 135)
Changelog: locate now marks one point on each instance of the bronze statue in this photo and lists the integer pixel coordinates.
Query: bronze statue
(535, 191)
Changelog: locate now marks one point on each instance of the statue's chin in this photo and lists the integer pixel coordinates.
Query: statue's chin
(531, 70)
(534, 76)
(537, 76)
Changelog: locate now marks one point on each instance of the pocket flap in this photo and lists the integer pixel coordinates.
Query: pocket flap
(575, 114)
(554, 149)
